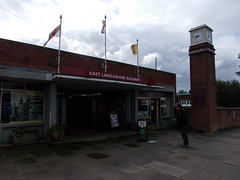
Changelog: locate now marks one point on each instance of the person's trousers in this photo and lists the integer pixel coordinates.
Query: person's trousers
(184, 134)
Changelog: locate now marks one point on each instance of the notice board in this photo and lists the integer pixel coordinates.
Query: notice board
(114, 119)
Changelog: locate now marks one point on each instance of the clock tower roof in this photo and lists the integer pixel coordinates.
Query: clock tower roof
(200, 27)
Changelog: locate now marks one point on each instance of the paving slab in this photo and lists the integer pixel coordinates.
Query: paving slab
(117, 156)
(233, 162)
(9, 172)
(216, 170)
(167, 169)
(232, 174)
(4, 162)
(191, 165)
(41, 174)
(115, 174)
(196, 176)
(152, 174)
(75, 173)
(133, 169)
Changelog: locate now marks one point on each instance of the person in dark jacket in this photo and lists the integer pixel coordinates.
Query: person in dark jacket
(182, 122)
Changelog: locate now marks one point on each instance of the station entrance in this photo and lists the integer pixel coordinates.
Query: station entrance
(84, 105)
(79, 113)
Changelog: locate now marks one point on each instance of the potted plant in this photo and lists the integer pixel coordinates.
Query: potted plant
(55, 132)
(22, 134)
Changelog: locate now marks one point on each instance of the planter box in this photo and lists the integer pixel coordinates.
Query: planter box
(55, 139)
(25, 138)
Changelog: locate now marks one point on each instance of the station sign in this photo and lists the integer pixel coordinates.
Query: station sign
(104, 75)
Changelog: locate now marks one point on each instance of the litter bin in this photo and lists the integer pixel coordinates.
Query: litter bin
(142, 132)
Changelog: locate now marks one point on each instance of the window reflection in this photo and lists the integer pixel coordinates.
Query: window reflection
(19, 105)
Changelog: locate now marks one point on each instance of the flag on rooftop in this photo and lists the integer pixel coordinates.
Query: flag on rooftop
(103, 31)
(103, 27)
(55, 32)
(134, 48)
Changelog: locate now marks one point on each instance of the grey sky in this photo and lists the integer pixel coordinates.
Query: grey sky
(161, 26)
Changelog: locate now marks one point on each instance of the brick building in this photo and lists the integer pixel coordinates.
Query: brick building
(184, 99)
(79, 97)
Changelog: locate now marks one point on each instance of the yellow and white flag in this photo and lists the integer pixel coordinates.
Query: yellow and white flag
(134, 48)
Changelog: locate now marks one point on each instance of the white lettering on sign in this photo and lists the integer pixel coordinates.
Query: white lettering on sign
(113, 76)
(106, 75)
(119, 77)
(132, 78)
(92, 73)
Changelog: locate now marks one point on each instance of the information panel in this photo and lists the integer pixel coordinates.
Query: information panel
(114, 119)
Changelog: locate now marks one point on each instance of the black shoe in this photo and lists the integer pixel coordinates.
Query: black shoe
(184, 146)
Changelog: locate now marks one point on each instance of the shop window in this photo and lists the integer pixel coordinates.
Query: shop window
(164, 107)
(234, 114)
(6, 100)
(13, 85)
(34, 86)
(20, 106)
(144, 107)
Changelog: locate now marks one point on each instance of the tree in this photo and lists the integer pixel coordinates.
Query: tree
(228, 93)
(182, 92)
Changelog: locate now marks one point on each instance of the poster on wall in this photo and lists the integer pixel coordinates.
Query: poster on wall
(26, 106)
(114, 119)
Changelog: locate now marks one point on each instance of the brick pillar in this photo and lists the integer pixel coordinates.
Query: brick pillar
(203, 87)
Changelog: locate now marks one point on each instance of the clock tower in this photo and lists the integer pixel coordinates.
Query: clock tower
(201, 34)
(203, 80)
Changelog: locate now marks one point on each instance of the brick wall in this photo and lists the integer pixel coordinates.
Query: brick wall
(228, 117)
(32, 56)
(26, 55)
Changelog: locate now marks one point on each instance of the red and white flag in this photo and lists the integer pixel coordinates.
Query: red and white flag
(103, 27)
(55, 32)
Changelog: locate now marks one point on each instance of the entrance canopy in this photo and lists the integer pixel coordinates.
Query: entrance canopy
(98, 84)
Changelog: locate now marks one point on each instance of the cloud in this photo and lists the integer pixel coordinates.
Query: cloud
(162, 28)
(151, 60)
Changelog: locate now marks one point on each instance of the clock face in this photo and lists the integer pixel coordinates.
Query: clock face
(209, 36)
(197, 36)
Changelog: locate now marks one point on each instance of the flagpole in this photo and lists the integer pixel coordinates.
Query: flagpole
(137, 62)
(105, 62)
(59, 43)
(156, 63)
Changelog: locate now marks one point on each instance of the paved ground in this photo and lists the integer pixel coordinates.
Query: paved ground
(119, 156)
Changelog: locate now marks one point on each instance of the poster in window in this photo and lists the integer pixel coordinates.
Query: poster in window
(114, 119)
(26, 106)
